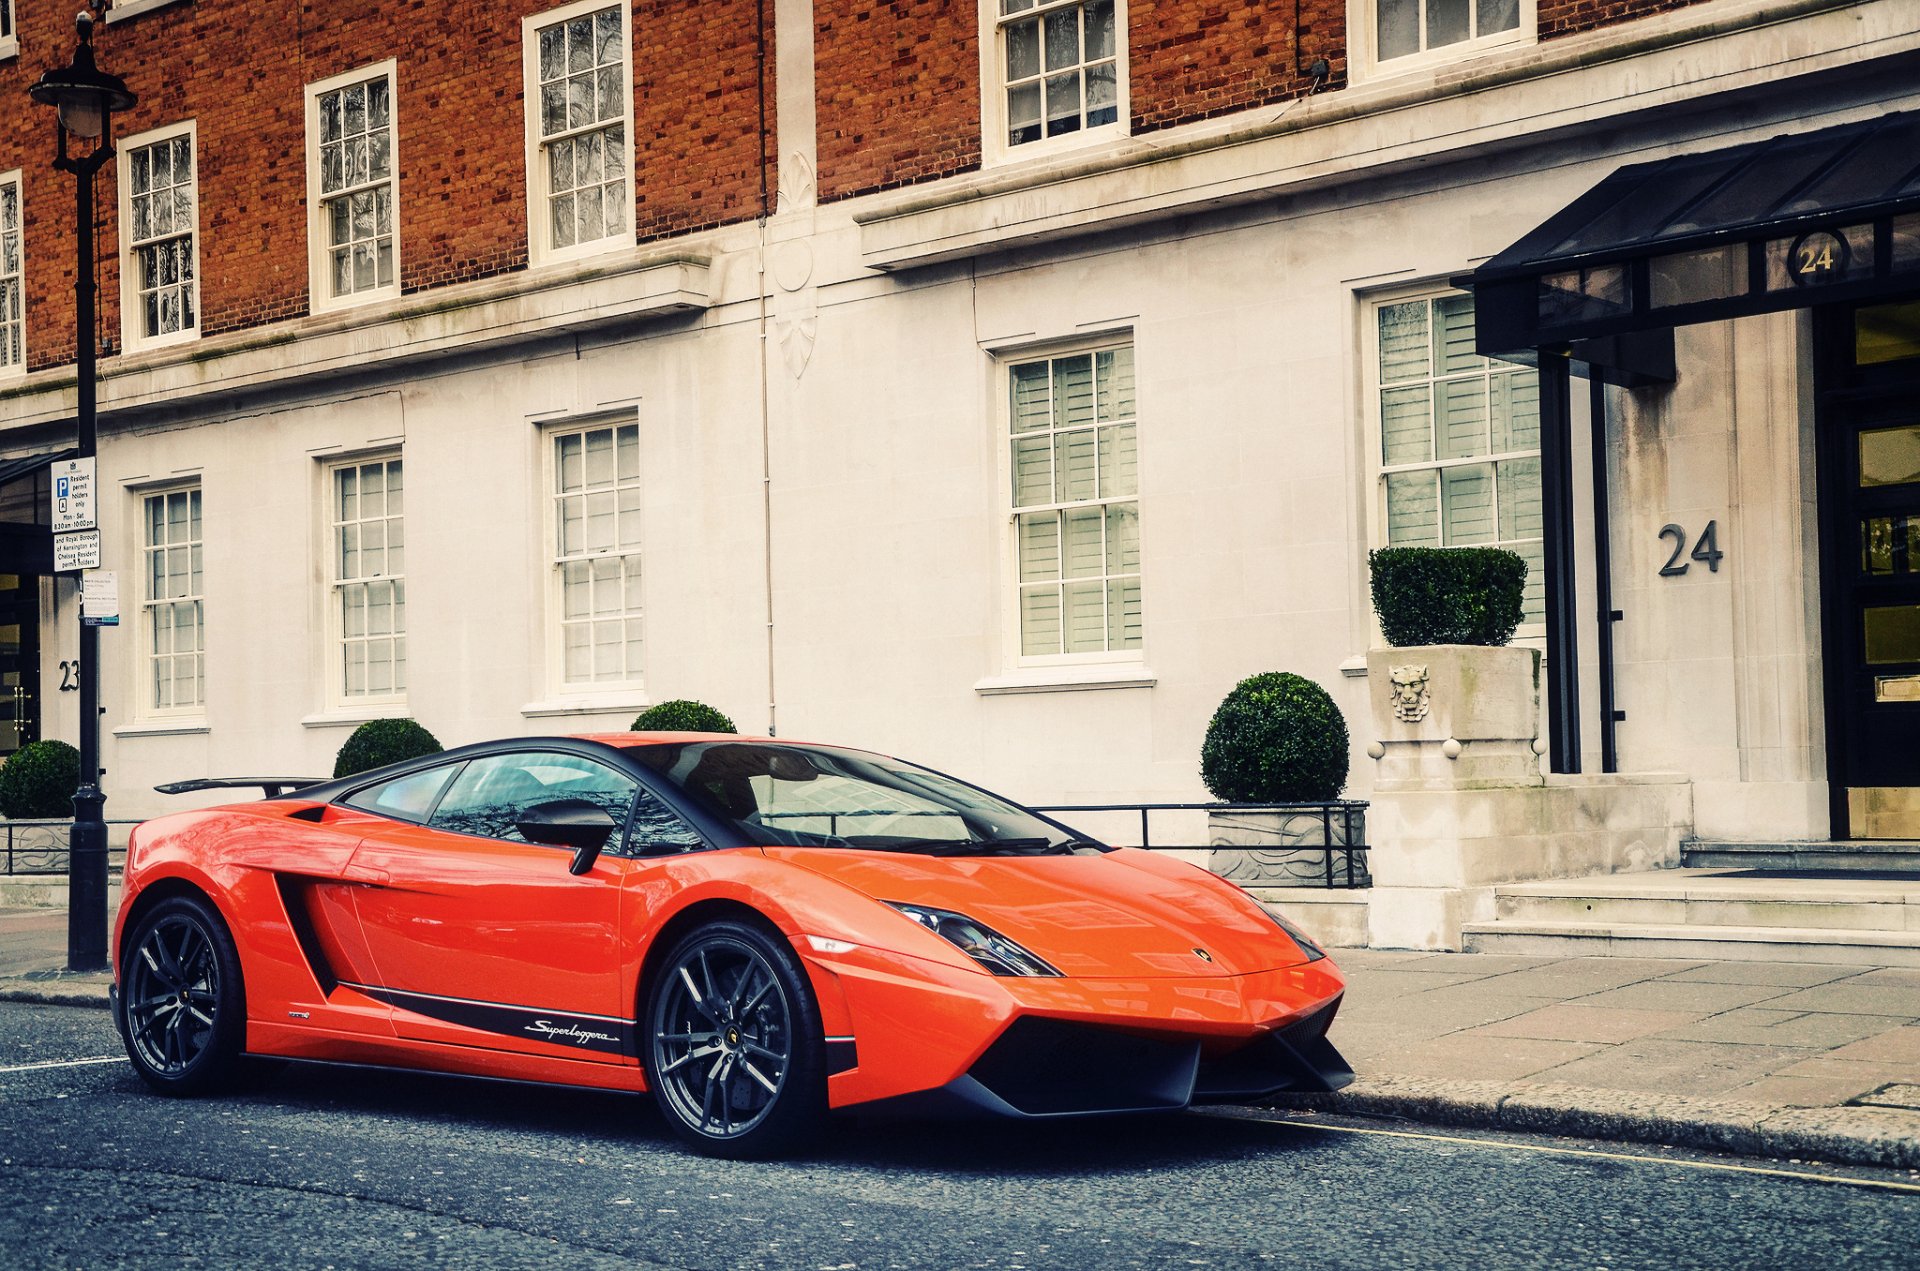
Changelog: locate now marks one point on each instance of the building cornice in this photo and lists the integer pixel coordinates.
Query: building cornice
(1506, 99)
(406, 333)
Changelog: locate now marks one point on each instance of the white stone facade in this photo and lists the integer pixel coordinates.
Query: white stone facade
(826, 531)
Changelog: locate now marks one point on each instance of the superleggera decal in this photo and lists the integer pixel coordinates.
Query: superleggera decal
(585, 1032)
(572, 1032)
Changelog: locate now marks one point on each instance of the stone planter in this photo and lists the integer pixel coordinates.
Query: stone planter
(1454, 716)
(1289, 846)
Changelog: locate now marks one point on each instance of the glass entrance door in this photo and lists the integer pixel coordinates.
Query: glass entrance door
(1870, 514)
(19, 661)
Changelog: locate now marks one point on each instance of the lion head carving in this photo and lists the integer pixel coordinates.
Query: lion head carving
(1409, 689)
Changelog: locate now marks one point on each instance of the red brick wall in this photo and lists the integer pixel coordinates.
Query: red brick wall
(897, 93)
(1192, 59)
(240, 70)
(698, 147)
(1568, 17)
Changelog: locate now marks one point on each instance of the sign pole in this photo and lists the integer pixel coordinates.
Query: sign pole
(87, 849)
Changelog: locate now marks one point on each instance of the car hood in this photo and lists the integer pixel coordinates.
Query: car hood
(1111, 915)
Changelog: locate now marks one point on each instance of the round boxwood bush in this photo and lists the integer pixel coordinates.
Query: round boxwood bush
(682, 716)
(1447, 595)
(1277, 738)
(39, 780)
(379, 742)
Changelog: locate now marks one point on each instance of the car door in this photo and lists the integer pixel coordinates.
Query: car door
(481, 938)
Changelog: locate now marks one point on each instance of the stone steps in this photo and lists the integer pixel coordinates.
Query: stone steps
(1860, 855)
(1729, 944)
(1682, 913)
(1855, 911)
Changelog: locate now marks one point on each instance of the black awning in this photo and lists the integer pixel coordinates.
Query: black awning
(1778, 224)
(12, 470)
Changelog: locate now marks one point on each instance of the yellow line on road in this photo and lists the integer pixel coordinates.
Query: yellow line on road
(66, 1063)
(1805, 1176)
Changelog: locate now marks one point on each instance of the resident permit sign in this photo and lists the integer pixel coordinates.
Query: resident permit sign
(100, 598)
(75, 552)
(72, 494)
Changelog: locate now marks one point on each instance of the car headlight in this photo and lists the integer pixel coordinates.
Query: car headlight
(982, 943)
(1313, 951)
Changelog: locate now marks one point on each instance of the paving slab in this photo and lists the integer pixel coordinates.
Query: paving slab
(1783, 974)
(1459, 1006)
(1800, 1092)
(1664, 1066)
(1891, 977)
(1576, 1021)
(1896, 1045)
(1767, 1026)
(1696, 997)
(1478, 1056)
(1853, 997)
(1578, 977)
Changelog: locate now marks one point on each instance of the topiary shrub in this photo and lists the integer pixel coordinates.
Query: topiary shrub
(1447, 595)
(39, 779)
(1277, 738)
(682, 716)
(379, 742)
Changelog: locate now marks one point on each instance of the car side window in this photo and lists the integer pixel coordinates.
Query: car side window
(407, 798)
(492, 793)
(657, 828)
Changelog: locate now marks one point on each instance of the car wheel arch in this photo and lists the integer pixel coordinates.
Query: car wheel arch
(162, 889)
(697, 914)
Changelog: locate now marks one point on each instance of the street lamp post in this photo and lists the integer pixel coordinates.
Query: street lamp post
(86, 99)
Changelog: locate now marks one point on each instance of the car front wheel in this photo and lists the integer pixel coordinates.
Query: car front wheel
(735, 1056)
(182, 1010)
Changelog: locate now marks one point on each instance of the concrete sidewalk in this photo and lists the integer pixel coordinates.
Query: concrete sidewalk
(1774, 1059)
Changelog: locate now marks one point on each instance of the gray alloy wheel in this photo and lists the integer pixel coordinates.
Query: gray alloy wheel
(735, 1054)
(182, 1011)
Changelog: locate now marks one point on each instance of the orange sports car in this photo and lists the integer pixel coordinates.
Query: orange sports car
(756, 931)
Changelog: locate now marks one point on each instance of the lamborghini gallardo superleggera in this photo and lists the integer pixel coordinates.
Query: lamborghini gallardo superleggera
(754, 931)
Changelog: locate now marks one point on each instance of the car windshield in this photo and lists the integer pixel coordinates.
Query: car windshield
(775, 795)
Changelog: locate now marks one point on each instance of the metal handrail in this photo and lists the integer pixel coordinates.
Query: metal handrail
(21, 856)
(1348, 810)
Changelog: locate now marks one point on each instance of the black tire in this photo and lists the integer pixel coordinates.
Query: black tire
(735, 1056)
(183, 1010)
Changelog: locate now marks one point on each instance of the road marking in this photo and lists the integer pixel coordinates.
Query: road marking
(66, 1063)
(1802, 1175)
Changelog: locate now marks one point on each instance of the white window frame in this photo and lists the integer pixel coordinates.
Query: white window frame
(121, 10)
(1375, 456)
(994, 147)
(9, 370)
(338, 697)
(539, 250)
(633, 683)
(144, 650)
(1363, 27)
(319, 251)
(133, 337)
(1005, 359)
(9, 30)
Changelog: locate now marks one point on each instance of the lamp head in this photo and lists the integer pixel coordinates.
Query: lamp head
(84, 95)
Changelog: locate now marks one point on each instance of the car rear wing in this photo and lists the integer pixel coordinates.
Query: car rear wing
(270, 786)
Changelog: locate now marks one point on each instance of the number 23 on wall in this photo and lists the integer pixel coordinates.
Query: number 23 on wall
(1706, 549)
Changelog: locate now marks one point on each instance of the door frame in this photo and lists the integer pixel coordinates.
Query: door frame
(1838, 385)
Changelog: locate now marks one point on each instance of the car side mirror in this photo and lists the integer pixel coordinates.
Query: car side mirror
(576, 823)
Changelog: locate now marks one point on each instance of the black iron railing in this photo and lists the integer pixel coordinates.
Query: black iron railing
(30, 847)
(1258, 844)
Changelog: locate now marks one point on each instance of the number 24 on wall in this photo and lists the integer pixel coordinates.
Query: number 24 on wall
(1707, 549)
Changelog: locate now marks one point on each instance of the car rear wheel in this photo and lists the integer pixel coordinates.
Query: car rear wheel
(736, 1060)
(182, 1009)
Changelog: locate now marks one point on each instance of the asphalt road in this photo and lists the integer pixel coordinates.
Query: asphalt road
(351, 1168)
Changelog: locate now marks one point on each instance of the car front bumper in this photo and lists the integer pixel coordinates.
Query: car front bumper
(931, 1038)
